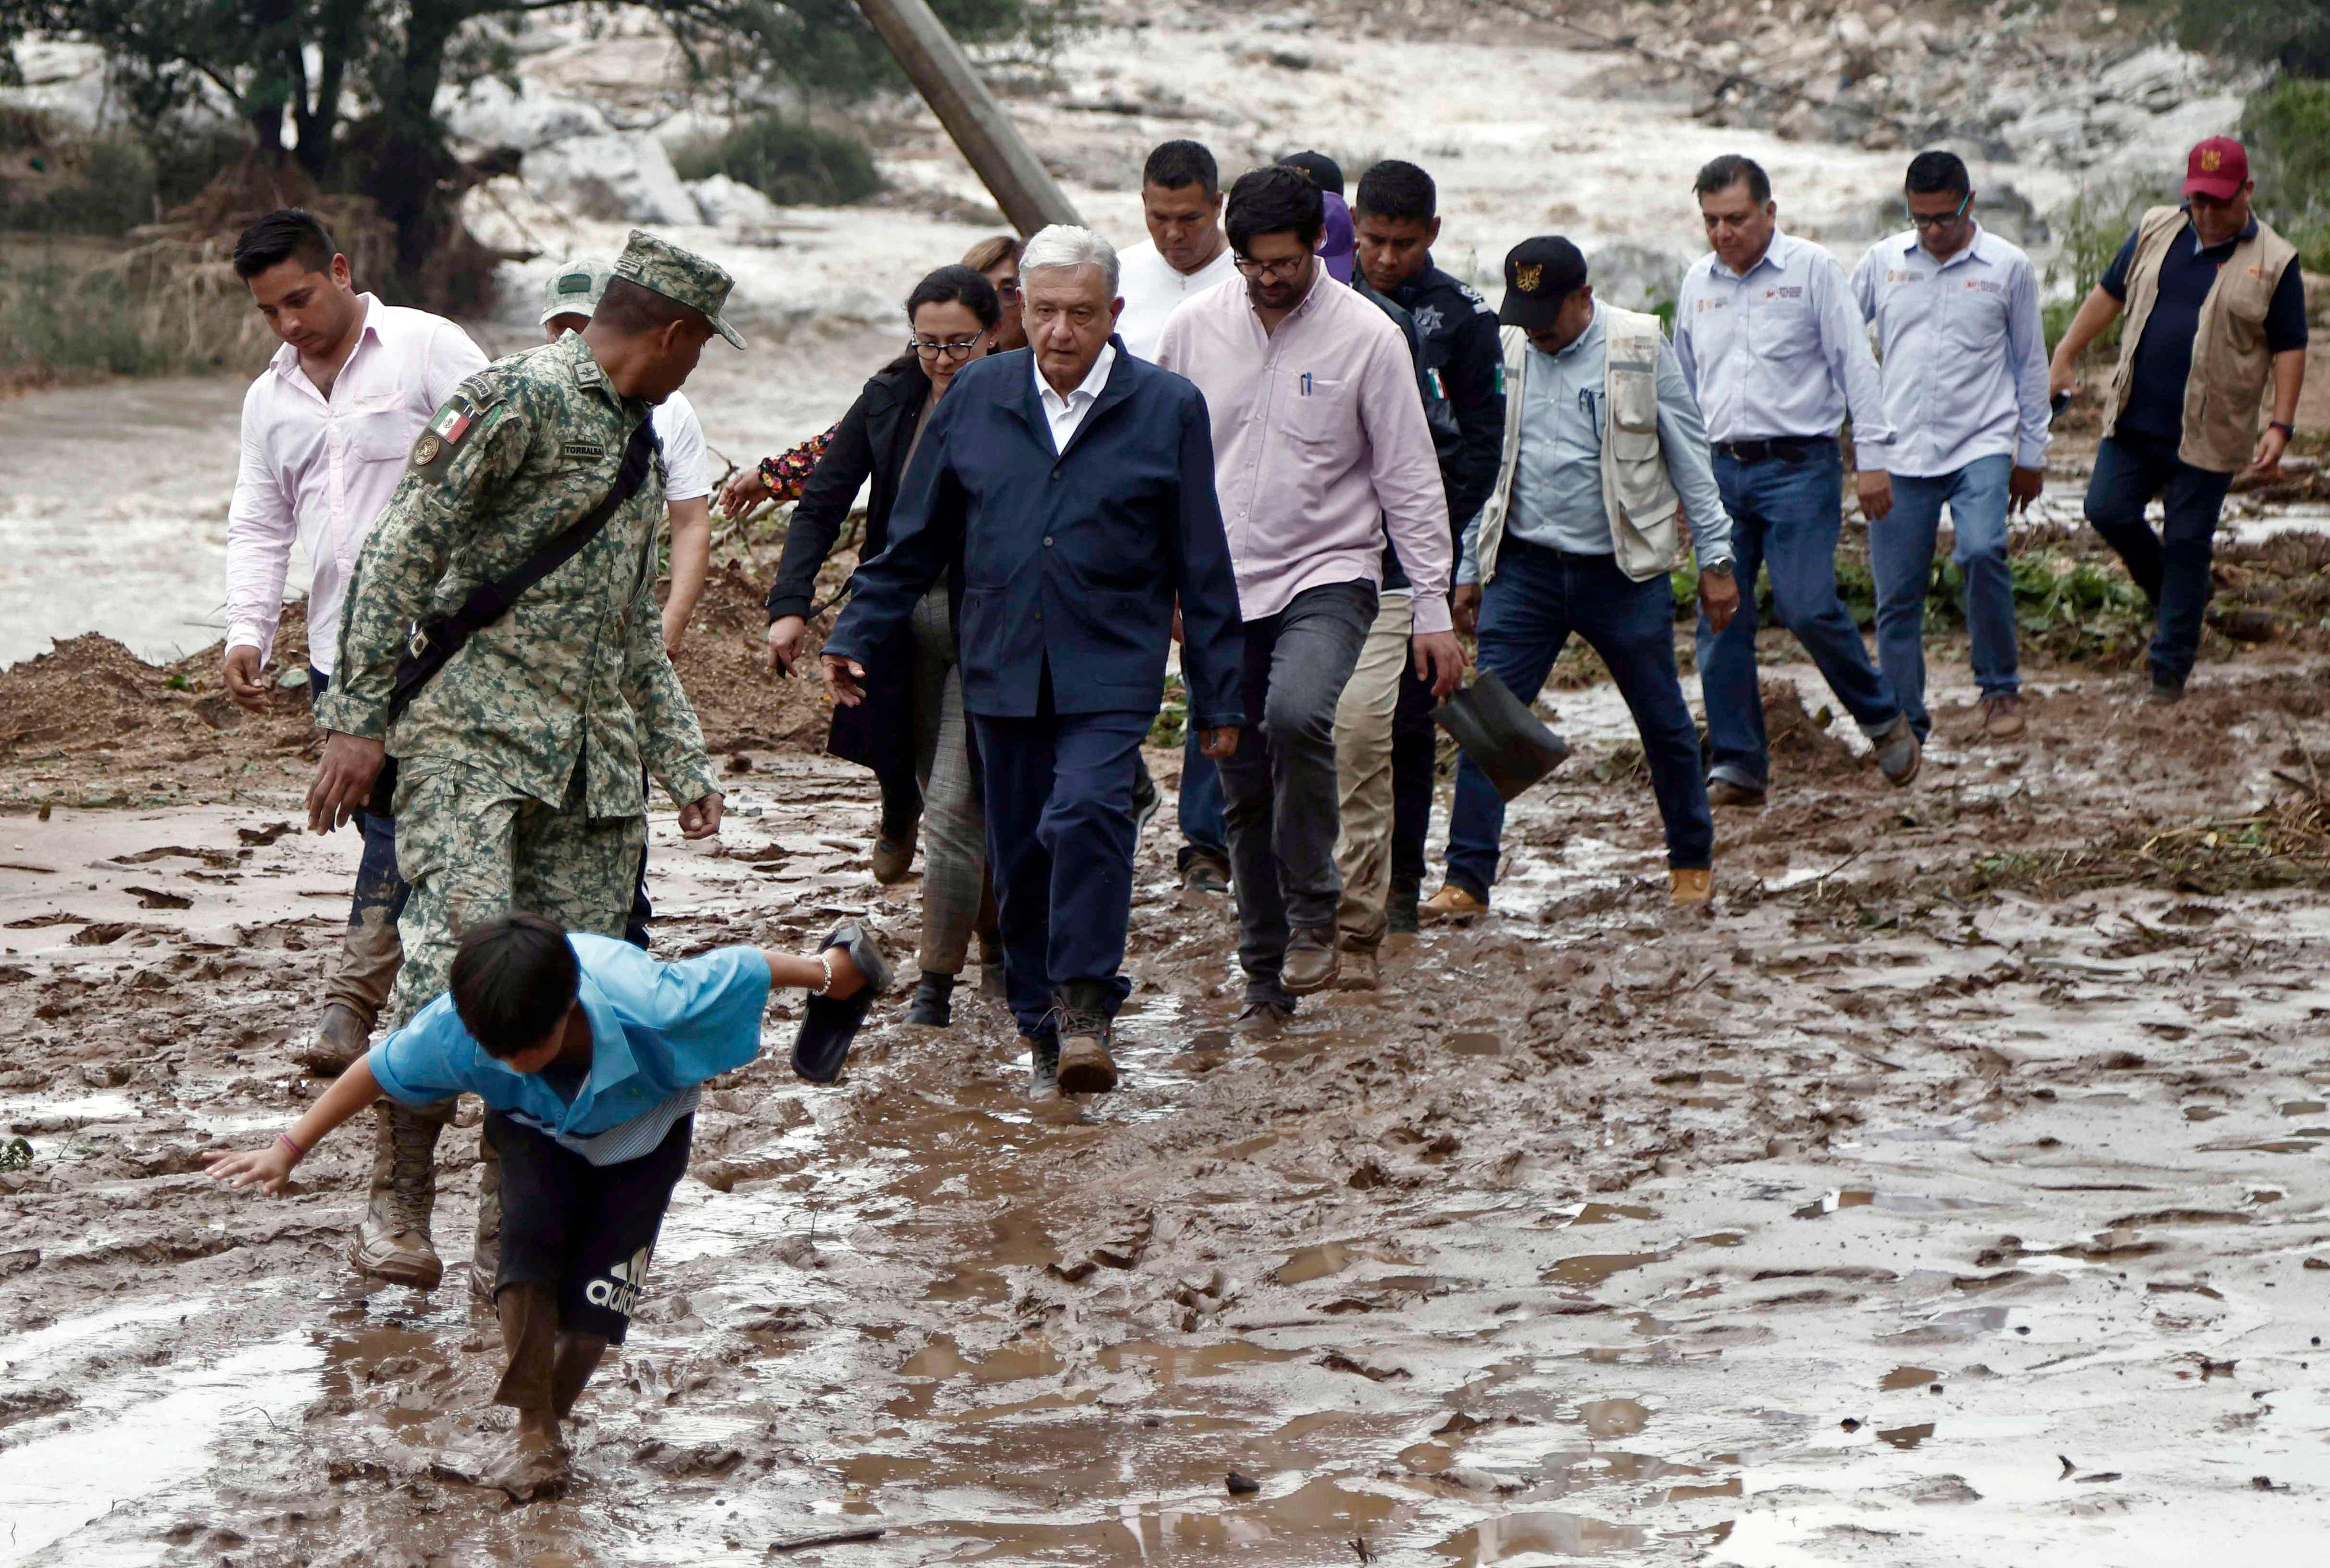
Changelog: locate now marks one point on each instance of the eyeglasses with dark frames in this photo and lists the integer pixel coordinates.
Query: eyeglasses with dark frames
(1938, 219)
(1281, 270)
(956, 348)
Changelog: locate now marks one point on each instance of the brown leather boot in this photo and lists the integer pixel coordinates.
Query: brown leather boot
(1690, 886)
(342, 1037)
(394, 1243)
(1312, 963)
(1082, 1014)
(1359, 968)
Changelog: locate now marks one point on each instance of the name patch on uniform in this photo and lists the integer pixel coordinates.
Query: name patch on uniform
(585, 449)
(1790, 291)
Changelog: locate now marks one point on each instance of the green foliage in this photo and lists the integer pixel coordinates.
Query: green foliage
(2286, 128)
(2094, 226)
(71, 323)
(2292, 34)
(1170, 729)
(16, 1154)
(79, 185)
(796, 166)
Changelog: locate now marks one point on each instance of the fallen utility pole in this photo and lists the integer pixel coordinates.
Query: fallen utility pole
(941, 71)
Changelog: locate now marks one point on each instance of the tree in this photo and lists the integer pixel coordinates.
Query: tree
(2292, 34)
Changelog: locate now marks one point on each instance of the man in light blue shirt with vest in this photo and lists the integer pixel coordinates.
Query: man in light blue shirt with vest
(1956, 313)
(1775, 353)
(1603, 454)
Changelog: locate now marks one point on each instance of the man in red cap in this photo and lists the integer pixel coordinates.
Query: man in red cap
(2216, 307)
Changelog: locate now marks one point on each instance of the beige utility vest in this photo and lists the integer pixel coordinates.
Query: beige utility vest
(1637, 491)
(2231, 362)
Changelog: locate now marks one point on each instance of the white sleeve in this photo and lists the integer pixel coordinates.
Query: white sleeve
(453, 357)
(260, 528)
(685, 467)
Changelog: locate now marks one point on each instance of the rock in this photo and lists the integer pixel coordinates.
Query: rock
(2157, 78)
(1241, 1486)
(616, 177)
(490, 115)
(1636, 277)
(733, 206)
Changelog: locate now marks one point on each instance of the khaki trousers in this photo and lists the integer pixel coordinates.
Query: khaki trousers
(1363, 721)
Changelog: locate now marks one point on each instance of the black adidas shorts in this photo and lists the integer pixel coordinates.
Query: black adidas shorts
(585, 1230)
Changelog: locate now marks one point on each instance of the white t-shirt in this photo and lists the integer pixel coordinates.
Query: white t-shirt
(686, 470)
(1152, 290)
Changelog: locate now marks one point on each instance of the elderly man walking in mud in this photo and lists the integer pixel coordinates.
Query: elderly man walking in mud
(503, 645)
(1075, 484)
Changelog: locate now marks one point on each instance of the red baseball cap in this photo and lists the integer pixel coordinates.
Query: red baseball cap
(2218, 168)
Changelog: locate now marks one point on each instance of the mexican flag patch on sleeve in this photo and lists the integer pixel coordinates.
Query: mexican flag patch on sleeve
(432, 454)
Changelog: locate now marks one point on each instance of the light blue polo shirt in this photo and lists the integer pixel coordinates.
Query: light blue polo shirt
(1780, 350)
(657, 1030)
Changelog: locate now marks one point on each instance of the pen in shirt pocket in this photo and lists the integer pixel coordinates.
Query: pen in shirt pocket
(1306, 383)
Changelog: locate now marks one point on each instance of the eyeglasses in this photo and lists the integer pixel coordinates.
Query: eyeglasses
(1938, 219)
(1008, 289)
(1281, 271)
(931, 348)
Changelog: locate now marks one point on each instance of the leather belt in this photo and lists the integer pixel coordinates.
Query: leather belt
(1786, 448)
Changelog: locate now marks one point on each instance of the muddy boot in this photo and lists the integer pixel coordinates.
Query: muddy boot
(486, 1251)
(393, 1242)
(1043, 1066)
(1311, 964)
(338, 1041)
(894, 856)
(1085, 1065)
(1359, 970)
(933, 1007)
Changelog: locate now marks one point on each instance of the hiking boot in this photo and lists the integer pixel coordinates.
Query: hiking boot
(1686, 885)
(1451, 903)
(894, 859)
(1080, 1011)
(1360, 970)
(2166, 689)
(1145, 800)
(1206, 873)
(1267, 1014)
(1399, 909)
(393, 1242)
(2002, 716)
(486, 1251)
(1723, 791)
(1043, 1066)
(1899, 752)
(932, 1006)
(1312, 962)
(342, 1037)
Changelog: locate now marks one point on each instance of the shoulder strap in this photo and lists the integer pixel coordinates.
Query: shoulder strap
(437, 639)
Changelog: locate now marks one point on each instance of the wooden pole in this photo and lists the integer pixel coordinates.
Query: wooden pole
(937, 66)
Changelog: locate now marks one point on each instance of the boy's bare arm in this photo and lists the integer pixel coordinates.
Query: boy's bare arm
(270, 1166)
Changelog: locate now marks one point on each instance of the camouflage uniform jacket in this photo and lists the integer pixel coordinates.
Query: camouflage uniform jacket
(575, 673)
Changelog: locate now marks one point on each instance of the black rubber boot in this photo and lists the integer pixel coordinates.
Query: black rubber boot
(932, 1006)
(1399, 910)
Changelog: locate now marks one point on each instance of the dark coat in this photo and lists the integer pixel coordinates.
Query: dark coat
(1071, 560)
(871, 442)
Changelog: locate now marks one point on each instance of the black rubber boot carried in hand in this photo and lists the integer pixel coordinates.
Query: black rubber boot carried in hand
(932, 1006)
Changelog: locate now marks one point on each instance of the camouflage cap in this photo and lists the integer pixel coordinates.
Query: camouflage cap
(575, 289)
(675, 274)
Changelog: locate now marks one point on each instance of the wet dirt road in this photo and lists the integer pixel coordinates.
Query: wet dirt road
(1954, 1195)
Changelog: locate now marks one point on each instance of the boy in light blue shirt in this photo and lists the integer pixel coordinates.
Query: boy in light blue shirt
(590, 1056)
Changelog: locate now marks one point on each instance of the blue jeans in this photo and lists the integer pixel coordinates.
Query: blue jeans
(1528, 611)
(1200, 804)
(1059, 846)
(1784, 515)
(2170, 566)
(1901, 556)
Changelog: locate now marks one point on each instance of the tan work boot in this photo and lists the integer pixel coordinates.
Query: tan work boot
(342, 1037)
(1362, 971)
(1312, 962)
(486, 1251)
(1450, 903)
(1689, 886)
(2002, 717)
(393, 1242)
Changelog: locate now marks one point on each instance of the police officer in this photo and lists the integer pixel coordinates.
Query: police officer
(1956, 313)
(1397, 221)
(518, 761)
(1775, 353)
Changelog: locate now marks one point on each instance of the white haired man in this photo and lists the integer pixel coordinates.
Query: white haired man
(1075, 484)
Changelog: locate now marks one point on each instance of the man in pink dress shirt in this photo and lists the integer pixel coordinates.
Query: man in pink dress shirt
(1321, 450)
(326, 429)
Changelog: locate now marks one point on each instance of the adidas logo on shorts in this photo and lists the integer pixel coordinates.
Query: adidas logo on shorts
(619, 1291)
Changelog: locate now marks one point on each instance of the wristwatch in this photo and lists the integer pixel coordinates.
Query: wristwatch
(2289, 431)
(1716, 569)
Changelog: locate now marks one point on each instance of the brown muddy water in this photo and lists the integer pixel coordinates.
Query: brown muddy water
(1912, 1208)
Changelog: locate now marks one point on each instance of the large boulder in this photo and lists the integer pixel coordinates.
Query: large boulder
(487, 114)
(733, 207)
(618, 177)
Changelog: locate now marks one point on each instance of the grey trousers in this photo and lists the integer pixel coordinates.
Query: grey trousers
(1280, 784)
(955, 900)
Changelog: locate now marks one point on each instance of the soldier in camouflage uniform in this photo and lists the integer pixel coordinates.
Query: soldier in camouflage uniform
(518, 782)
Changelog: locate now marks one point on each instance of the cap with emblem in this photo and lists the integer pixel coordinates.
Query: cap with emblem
(675, 274)
(575, 288)
(1539, 274)
(2217, 168)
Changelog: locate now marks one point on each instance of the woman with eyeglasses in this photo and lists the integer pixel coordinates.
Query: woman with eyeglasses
(911, 731)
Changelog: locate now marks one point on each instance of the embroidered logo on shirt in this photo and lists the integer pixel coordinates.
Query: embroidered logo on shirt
(1791, 291)
(1985, 285)
(1428, 320)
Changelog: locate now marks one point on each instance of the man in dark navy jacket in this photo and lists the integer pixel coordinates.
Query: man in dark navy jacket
(1075, 483)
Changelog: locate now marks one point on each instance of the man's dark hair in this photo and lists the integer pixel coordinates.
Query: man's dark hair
(1933, 173)
(285, 234)
(1275, 201)
(1722, 174)
(514, 979)
(1177, 163)
(1400, 192)
(634, 307)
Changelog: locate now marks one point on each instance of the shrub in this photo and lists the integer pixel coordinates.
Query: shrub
(77, 186)
(795, 166)
(2286, 128)
(2094, 225)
